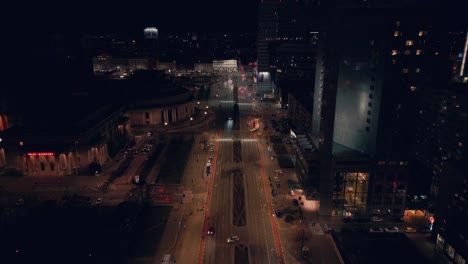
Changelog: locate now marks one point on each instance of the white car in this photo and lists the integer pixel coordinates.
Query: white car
(232, 239)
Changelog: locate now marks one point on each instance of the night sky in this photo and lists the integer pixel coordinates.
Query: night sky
(119, 16)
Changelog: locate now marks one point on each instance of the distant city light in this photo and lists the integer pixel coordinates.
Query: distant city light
(151, 33)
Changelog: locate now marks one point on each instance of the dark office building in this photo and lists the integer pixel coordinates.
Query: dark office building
(369, 75)
(441, 147)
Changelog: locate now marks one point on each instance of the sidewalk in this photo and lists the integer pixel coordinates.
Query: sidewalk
(183, 232)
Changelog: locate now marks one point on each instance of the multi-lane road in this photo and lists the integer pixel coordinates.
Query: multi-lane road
(227, 206)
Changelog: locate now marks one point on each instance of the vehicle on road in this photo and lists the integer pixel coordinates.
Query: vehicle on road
(392, 229)
(20, 201)
(99, 200)
(211, 230)
(409, 229)
(168, 259)
(232, 239)
(376, 230)
(425, 229)
(376, 219)
(278, 213)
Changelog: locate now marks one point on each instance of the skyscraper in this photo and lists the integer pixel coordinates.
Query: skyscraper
(368, 76)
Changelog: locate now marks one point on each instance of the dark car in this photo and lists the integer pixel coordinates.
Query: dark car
(295, 202)
(211, 230)
(278, 213)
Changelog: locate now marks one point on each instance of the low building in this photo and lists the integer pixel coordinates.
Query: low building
(78, 135)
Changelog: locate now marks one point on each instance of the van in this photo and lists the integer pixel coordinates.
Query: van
(168, 259)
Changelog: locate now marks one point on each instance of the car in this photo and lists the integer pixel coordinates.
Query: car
(232, 239)
(278, 213)
(20, 201)
(211, 230)
(425, 229)
(99, 200)
(376, 219)
(279, 171)
(409, 229)
(376, 230)
(392, 229)
(291, 192)
(327, 229)
(295, 202)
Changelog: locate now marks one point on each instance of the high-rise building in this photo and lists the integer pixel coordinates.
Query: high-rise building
(370, 67)
(267, 32)
(441, 146)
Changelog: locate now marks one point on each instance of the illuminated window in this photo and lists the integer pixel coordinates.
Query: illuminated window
(422, 33)
(413, 88)
(405, 70)
(418, 52)
(394, 52)
(418, 70)
(409, 43)
(407, 52)
(396, 33)
(397, 23)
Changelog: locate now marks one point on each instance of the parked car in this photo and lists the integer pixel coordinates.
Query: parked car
(20, 201)
(278, 213)
(211, 230)
(392, 229)
(425, 229)
(232, 239)
(376, 230)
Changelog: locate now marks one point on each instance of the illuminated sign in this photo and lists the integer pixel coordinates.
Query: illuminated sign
(41, 154)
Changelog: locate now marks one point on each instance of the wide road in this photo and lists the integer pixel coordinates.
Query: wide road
(257, 233)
